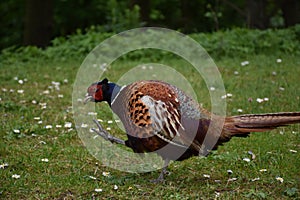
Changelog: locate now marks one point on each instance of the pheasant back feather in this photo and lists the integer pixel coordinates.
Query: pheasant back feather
(151, 111)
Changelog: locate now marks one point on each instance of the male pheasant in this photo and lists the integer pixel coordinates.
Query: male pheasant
(157, 115)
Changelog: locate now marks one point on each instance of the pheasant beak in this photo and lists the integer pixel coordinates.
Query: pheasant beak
(87, 99)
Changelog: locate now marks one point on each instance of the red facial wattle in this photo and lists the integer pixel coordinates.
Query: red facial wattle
(98, 94)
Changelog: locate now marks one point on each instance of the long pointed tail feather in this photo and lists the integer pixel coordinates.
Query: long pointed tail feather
(259, 122)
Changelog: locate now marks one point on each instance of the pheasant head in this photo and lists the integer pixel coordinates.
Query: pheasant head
(100, 91)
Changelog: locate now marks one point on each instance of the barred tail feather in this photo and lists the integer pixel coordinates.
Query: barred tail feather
(259, 122)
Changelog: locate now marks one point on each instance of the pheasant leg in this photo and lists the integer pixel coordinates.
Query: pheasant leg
(104, 134)
(162, 173)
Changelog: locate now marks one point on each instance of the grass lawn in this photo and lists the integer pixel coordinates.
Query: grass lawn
(39, 141)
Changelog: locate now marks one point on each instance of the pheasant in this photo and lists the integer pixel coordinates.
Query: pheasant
(157, 115)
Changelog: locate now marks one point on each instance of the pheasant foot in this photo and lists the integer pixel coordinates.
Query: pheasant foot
(104, 134)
